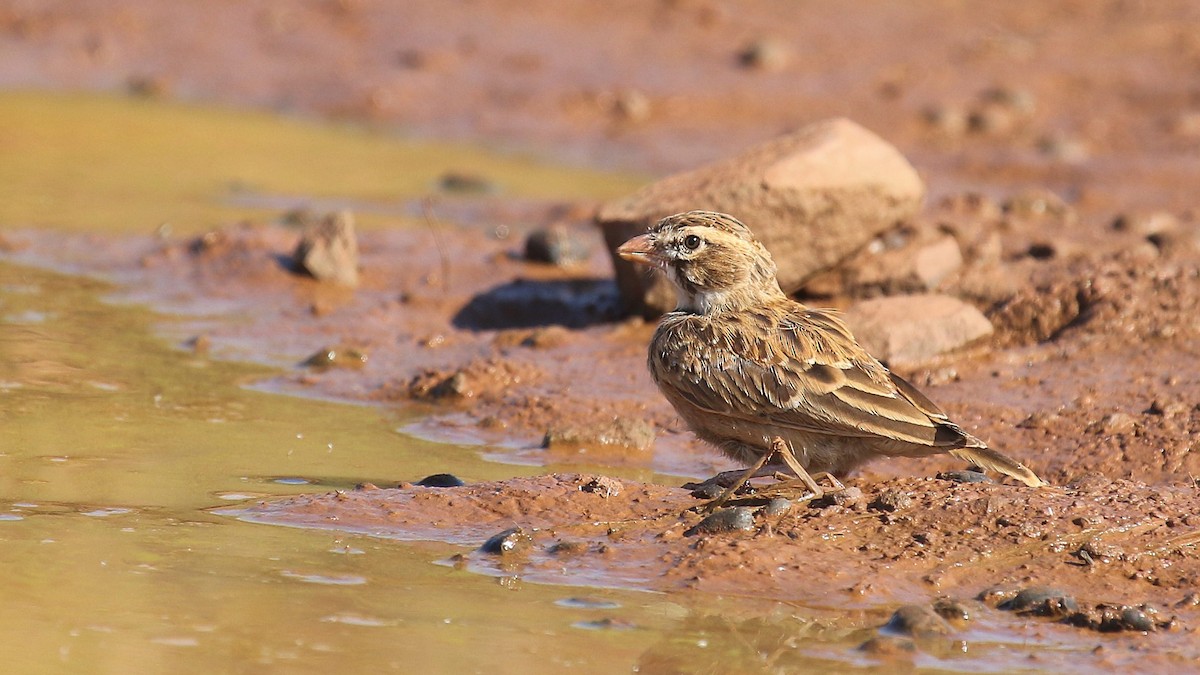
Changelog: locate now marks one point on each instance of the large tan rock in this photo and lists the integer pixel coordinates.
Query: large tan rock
(812, 197)
(328, 250)
(908, 330)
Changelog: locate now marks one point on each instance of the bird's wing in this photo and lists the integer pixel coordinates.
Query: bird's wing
(806, 372)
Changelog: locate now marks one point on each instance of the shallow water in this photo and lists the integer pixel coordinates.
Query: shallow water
(116, 448)
(85, 162)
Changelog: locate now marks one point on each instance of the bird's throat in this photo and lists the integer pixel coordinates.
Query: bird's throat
(712, 302)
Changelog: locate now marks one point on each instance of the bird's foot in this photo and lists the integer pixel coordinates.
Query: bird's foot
(793, 489)
(835, 485)
(808, 488)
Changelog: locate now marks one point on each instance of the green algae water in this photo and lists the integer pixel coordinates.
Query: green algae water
(116, 446)
(115, 164)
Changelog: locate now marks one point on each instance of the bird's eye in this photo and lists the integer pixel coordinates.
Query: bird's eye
(692, 242)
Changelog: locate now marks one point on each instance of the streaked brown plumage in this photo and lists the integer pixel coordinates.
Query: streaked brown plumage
(745, 366)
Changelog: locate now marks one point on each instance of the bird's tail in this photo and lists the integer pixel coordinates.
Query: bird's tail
(990, 459)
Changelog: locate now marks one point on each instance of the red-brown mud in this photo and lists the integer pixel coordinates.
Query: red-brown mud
(1060, 143)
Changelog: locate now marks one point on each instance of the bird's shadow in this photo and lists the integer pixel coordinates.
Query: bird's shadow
(525, 303)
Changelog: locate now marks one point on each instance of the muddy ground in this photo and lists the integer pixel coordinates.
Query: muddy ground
(1060, 143)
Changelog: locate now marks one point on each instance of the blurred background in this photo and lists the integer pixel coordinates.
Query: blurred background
(1090, 98)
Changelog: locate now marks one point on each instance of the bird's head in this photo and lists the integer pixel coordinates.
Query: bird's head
(712, 259)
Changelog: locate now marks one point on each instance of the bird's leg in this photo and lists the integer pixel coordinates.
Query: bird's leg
(741, 480)
(786, 484)
(833, 481)
(781, 448)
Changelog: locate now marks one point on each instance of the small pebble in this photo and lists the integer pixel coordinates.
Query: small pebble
(917, 621)
(777, 507)
(441, 480)
(996, 595)
(891, 500)
(889, 647)
(466, 183)
(1189, 600)
(964, 476)
(555, 245)
(328, 250)
(1136, 619)
(336, 357)
(1042, 601)
(952, 610)
(847, 497)
(509, 542)
(568, 547)
(766, 54)
(602, 485)
(710, 491)
(1114, 423)
(725, 520)
(631, 105)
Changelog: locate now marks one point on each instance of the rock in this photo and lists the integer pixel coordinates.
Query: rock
(1135, 618)
(997, 595)
(459, 182)
(1000, 111)
(1151, 225)
(149, 86)
(917, 621)
(891, 500)
(336, 356)
(725, 520)
(631, 106)
(706, 490)
(1096, 551)
(889, 647)
(906, 331)
(555, 245)
(603, 485)
(441, 480)
(948, 120)
(568, 548)
(812, 197)
(895, 263)
(1168, 408)
(953, 610)
(1041, 601)
(1065, 149)
(1039, 204)
(620, 431)
(964, 477)
(1107, 618)
(1114, 423)
(1041, 313)
(329, 250)
(200, 344)
(777, 507)
(848, 497)
(936, 261)
(766, 54)
(512, 541)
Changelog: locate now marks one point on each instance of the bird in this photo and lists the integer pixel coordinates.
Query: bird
(771, 382)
